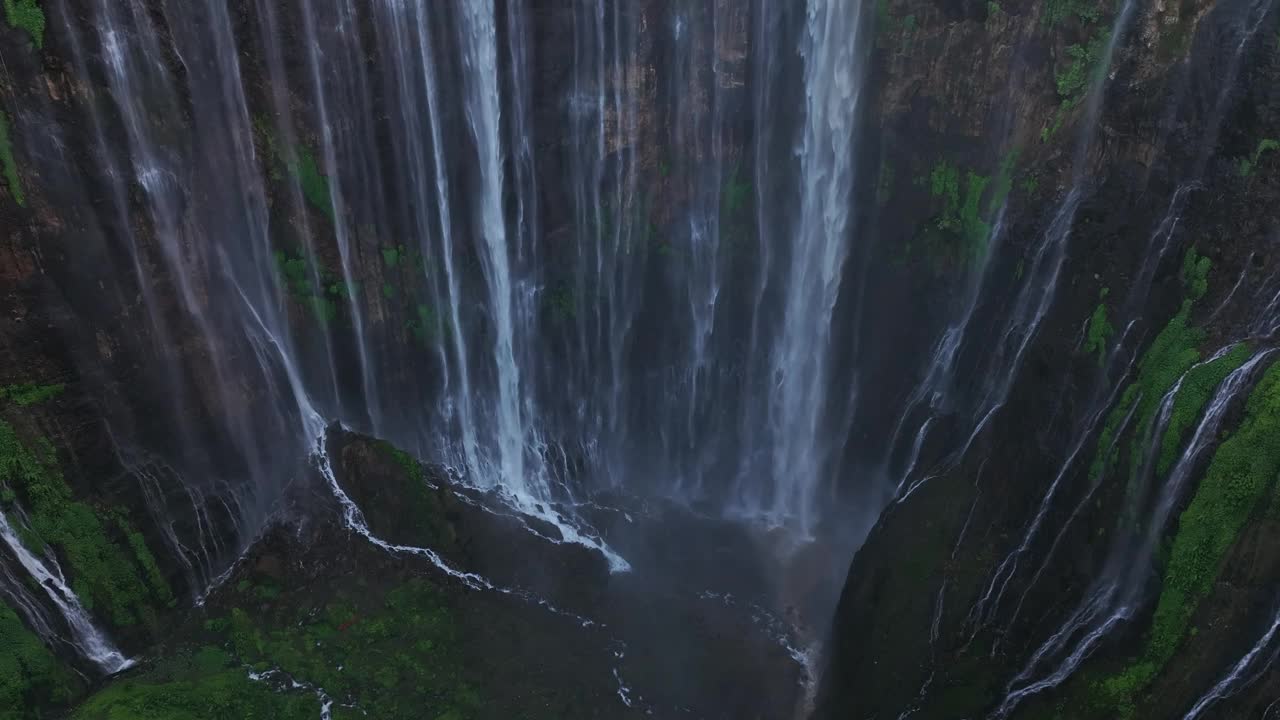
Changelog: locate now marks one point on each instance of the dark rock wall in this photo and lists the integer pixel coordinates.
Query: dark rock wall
(965, 94)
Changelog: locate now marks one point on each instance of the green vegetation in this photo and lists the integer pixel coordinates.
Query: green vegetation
(8, 165)
(1081, 65)
(888, 26)
(142, 556)
(299, 163)
(30, 394)
(1197, 387)
(1086, 11)
(393, 659)
(106, 576)
(1248, 165)
(1082, 69)
(391, 255)
(376, 653)
(296, 276)
(26, 15)
(207, 684)
(1098, 331)
(427, 325)
(959, 232)
(1242, 469)
(30, 675)
(1171, 354)
(420, 501)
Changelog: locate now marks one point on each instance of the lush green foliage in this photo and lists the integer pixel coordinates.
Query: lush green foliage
(376, 654)
(1242, 469)
(961, 215)
(393, 660)
(102, 572)
(30, 675)
(1170, 355)
(30, 394)
(204, 685)
(391, 255)
(1240, 472)
(426, 325)
(420, 501)
(26, 15)
(299, 163)
(1197, 387)
(1086, 11)
(1248, 165)
(297, 276)
(8, 165)
(1098, 330)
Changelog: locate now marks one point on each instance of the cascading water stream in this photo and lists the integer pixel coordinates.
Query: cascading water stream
(91, 642)
(1245, 671)
(1118, 592)
(1158, 246)
(800, 360)
(283, 230)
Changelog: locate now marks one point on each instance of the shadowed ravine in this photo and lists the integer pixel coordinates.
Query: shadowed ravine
(639, 358)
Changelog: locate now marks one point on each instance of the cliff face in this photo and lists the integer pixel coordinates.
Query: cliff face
(1098, 551)
(230, 223)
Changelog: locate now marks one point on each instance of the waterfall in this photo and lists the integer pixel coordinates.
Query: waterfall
(478, 40)
(1118, 592)
(337, 211)
(91, 642)
(1236, 679)
(800, 360)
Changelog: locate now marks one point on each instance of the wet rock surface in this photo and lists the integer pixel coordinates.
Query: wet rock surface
(536, 628)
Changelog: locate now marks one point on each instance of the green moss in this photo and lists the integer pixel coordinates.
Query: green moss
(295, 271)
(1098, 332)
(145, 560)
(8, 165)
(1086, 11)
(1081, 69)
(1248, 165)
(204, 684)
(1197, 387)
(102, 573)
(1170, 355)
(1242, 469)
(958, 233)
(734, 196)
(433, 527)
(26, 15)
(411, 465)
(427, 326)
(1003, 182)
(392, 657)
(391, 256)
(299, 163)
(31, 394)
(31, 678)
